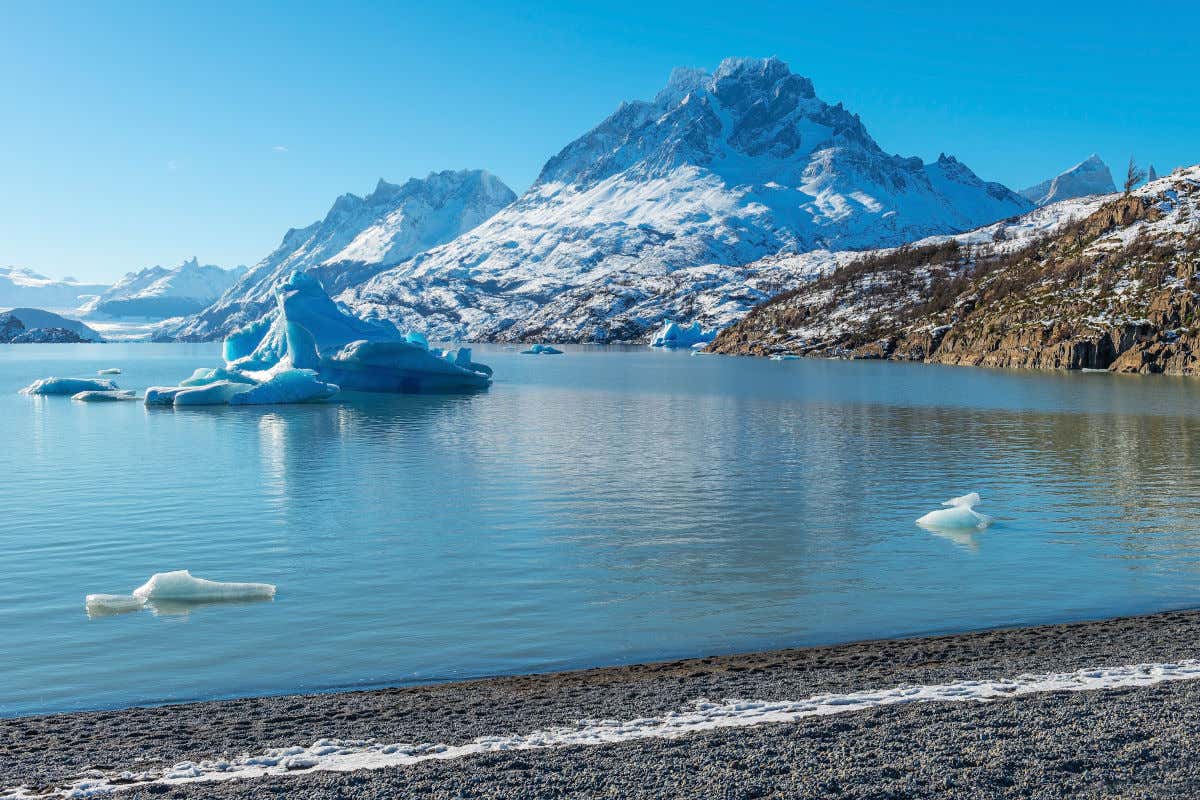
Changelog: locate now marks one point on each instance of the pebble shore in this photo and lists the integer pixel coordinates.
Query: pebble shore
(1112, 743)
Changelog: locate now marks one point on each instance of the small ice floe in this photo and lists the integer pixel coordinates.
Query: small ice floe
(109, 371)
(542, 350)
(69, 386)
(959, 514)
(672, 335)
(175, 589)
(785, 357)
(117, 395)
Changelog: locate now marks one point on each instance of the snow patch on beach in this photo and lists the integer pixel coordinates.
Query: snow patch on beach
(345, 755)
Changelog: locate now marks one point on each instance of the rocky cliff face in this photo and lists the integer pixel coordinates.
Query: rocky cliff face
(1108, 283)
(1088, 177)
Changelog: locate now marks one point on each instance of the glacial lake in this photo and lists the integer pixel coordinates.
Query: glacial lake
(605, 506)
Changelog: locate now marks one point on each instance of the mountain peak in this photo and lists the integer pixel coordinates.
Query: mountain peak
(1088, 177)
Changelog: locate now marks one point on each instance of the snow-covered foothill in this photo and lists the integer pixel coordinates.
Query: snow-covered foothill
(542, 350)
(959, 513)
(69, 386)
(673, 335)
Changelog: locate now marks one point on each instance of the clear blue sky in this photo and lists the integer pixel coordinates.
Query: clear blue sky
(135, 134)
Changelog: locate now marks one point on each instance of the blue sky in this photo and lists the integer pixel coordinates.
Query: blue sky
(143, 133)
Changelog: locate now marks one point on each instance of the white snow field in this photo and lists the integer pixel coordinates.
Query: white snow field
(339, 755)
(959, 513)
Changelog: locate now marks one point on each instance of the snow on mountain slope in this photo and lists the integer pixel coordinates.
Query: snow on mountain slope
(1088, 177)
(163, 292)
(662, 199)
(24, 287)
(357, 238)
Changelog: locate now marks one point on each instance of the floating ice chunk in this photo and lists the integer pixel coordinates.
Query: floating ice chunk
(92, 396)
(400, 366)
(69, 386)
(672, 335)
(542, 350)
(109, 371)
(286, 386)
(163, 395)
(785, 357)
(104, 604)
(204, 376)
(213, 394)
(180, 585)
(242, 342)
(960, 513)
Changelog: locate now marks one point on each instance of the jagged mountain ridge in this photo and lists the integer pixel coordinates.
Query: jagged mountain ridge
(719, 170)
(357, 238)
(1112, 284)
(162, 292)
(1089, 177)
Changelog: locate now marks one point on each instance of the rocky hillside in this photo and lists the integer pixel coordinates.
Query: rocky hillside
(652, 212)
(35, 326)
(1100, 283)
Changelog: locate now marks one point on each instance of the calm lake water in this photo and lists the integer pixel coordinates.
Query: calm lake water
(599, 507)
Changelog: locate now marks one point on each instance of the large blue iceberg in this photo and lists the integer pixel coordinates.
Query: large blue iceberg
(672, 335)
(308, 349)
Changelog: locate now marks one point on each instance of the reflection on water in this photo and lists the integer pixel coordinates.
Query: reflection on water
(604, 506)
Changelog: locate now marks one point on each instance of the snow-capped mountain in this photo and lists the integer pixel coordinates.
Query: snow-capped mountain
(24, 287)
(357, 238)
(1088, 177)
(163, 292)
(665, 198)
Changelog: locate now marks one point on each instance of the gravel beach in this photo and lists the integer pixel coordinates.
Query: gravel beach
(1113, 743)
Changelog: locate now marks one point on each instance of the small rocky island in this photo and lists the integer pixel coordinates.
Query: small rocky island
(1106, 282)
(34, 326)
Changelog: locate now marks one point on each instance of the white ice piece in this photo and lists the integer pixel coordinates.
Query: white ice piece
(542, 350)
(104, 604)
(960, 513)
(92, 396)
(109, 371)
(180, 585)
(69, 386)
(672, 335)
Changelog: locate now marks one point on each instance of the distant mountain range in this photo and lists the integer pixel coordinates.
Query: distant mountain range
(162, 292)
(1101, 282)
(726, 189)
(24, 287)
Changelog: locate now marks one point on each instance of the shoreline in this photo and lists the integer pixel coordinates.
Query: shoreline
(44, 751)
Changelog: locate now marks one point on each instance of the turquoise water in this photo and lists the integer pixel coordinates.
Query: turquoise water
(599, 507)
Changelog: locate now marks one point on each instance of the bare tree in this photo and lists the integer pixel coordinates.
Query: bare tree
(1133, 176)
